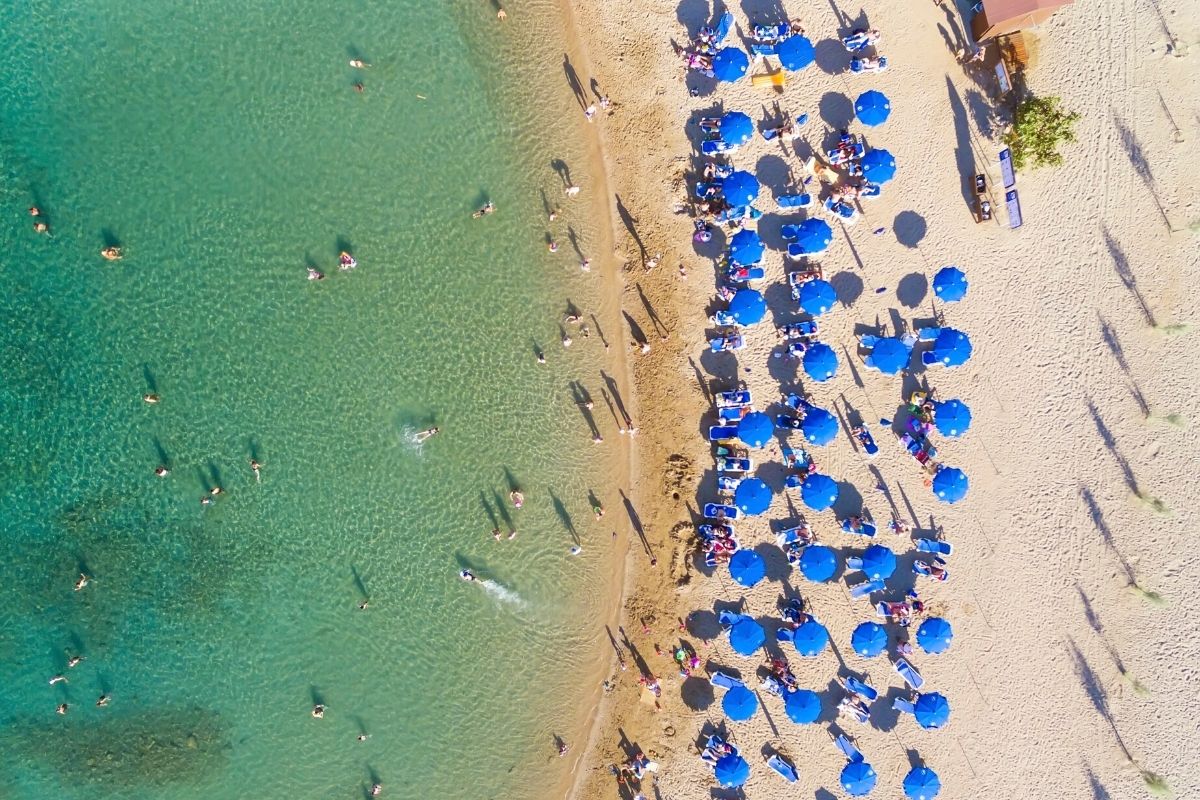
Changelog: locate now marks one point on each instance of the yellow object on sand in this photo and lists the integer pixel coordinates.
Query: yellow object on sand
(772, 79)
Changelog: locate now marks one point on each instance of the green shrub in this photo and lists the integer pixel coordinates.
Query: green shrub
(1039, 127)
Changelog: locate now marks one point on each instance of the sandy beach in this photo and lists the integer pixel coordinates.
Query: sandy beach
(1072, 671)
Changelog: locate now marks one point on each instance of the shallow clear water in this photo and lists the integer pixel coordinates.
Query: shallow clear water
(223, 146)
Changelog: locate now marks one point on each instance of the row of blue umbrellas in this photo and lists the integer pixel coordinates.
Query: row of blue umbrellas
(869, 639)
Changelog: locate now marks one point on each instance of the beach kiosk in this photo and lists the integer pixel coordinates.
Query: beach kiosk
(997, 17)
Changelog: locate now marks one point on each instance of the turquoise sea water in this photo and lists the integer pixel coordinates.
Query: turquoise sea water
(223, 146)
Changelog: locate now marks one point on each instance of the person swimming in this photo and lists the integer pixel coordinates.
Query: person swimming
(488, 208)
(318, 711)
(161, 471)
(315, 274)
(112, 253)
(358, 63)
(467, 575)
(346, 261)
(256, 467)
(82, 582)
(517, 498)
(151, 398)
(425, 434)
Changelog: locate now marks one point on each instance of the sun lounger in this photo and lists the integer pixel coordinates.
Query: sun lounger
(906, 706)
(793, 401)
(747, 274)
(848, 748)
(854, 563)
(712, 147)
(922, 568)
(854, 708)
(793, 201)
(796, 348)
(723, 319)
(735, 399)
(771, 33)
(727, 483)
(762, 48)
(722, 433)
(727, 618)
(866, 440)
(864, 589)
(868, 341)
(732, 413)
(934, 546)
(860, 688)
(909, 673)
(870, 192)
(705, 190)
(928, 334)
(793, 481)
(710, 532)
(725, 344)
(784, 634)
(724, 25)
(843, 211)
(807, 329)
(719, 511)
(858, 65)
(726, 464)
(719, 678)
(795, 251)
(787, 422)
(773, 685)
(783, 768)
(864, 528)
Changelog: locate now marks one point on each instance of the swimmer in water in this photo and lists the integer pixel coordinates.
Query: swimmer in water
(467, 575)
(318, 711)
(161, 471)
(102, 701)
(58, 679)
(517, 498)
(358, 63)
(152, 399)
(346, 261)
(488, 208)
(423, 435)
(82, 582)
(73, 661)
(112, 253)
(62, 708)
(315, 274)
(257, 469)
(376, 789)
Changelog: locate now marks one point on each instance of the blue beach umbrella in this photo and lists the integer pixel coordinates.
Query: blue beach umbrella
(935, 635)
(820, 362)
(869, 639)
(921, 783)
(931, 710)
(813, 236)
(819, 426)
(878, 166)
(745, 247)
(746, 636)
(952, 417)
(878, 562)
(736, 128)
(872, 108)
(950, 284)
(819, 492)
(740, 189)
(858, 778)
(747, 567)
(739, 704)
(731, 771)
(950, 484)
(795, 52)
(818, 563)
(756, 429)
(729, 64)
(810, 638)
(752, 496)
(748, 307)
(889, 356)
(817, 296)
(951, 348)
(802, 706)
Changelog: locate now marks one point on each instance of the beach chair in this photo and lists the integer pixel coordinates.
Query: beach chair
(762, 49)
(866, 440)
(844, 211)
(860, 688)
(719, 511)
(723, 319)
(870, 192)
(868, 341)
(712, 147)
(928, 334)
(784, 634)
(904, 705)
(728, 618)
(724, 681)
(859, 66)
(922, 568)
(773, 685)
(796, 348)
(724, 25)
(854, 708)
(909, 673)
(934, 546)
(727, 464)
(863, 590)
(722, 433)
(706, 190)
(808, 329)
(848, 748)
(710, 558)
(727, 344)
(791, 201)
(771, 33)
(796, 252)
(735, 399)
(727, 483)
(783, 768)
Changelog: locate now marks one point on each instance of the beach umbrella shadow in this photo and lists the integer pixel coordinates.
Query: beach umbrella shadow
(849, 287)
(910, 228)
(912, 289)
(696, 693)
(837, 110)
(832, 57)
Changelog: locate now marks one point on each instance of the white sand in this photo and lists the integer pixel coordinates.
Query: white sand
(1050, 535)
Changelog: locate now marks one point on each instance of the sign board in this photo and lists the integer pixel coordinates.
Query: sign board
(1002, 77)
(1013, 203)
(1006, 168)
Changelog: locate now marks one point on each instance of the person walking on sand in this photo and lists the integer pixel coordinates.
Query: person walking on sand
(590, 112)
(586, 265)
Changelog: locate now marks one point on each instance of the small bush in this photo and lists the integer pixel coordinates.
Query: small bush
(1039, 127)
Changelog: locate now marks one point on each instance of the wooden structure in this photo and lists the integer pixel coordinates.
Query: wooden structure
(998, 17)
